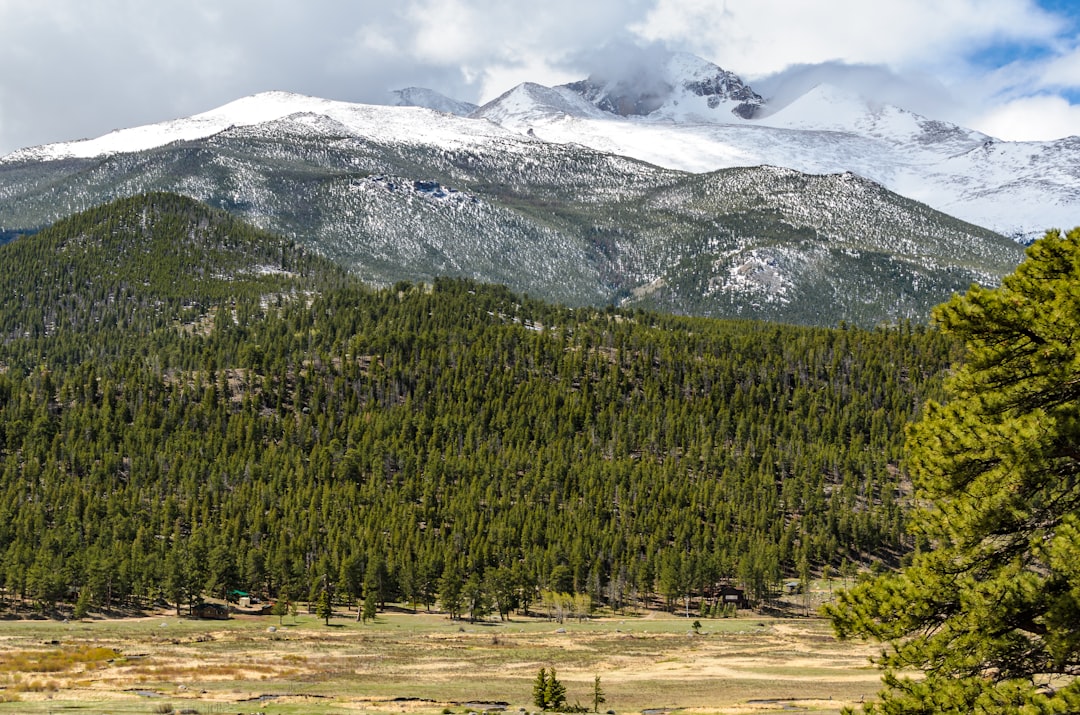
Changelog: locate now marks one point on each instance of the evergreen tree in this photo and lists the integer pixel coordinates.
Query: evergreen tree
(988, 609)
(82, 605)
(370, 607)
(351, 577)
(323, 608)
(499, 583)
(539, 691)
(597, 695)
(451, 594)
(280, 608)
(554, 692)
(476, 598)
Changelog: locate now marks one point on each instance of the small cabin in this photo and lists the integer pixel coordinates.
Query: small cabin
(212, 611)
(731, 594)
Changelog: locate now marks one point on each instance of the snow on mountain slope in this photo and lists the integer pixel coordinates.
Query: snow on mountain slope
(1019, 189)
(830, 108)
(1001, 181)
(528, 103)
(687, 114)
(413, 124)
(430, 99)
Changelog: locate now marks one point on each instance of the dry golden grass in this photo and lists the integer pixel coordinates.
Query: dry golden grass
(422, 664)
(55, 660)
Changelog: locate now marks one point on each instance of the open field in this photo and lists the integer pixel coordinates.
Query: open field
(424, 665)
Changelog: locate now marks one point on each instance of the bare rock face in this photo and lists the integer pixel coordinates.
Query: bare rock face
(646, 89)
(623, 98)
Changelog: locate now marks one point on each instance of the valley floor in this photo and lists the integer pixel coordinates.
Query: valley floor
(424, 664)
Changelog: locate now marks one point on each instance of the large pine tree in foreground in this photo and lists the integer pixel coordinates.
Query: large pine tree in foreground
(989, 611)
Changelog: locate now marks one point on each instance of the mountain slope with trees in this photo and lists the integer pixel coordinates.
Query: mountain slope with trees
(189, 406)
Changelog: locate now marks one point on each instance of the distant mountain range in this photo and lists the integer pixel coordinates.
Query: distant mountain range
(663, 190)
(689, 114)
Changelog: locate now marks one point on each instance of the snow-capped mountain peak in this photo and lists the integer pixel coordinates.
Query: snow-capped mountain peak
(262, 109)
(682, 86)
(684, 113)
(246, 111)
(528, 103)
(827, 107)
(823, 107)
(688, 114)
(430, 99)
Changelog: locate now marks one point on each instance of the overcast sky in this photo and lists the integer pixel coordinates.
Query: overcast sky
(72, 69)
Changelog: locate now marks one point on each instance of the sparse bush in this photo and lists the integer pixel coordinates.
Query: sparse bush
(34, 686)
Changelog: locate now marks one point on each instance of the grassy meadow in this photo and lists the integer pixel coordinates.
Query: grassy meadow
(424, 664)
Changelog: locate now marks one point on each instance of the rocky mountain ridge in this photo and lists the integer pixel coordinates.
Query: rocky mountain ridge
(691, 115)
(656, 90)
(685, 113)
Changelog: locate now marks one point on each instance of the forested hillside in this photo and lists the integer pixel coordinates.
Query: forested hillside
(189, 406)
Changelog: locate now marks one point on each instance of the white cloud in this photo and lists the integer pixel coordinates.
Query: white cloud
(87, 67)
(500, 44)
(916, 92)
(925, 55)
(758, 37)
(1063, 71)
(366, 41)
(445, 31)
(1031, 119)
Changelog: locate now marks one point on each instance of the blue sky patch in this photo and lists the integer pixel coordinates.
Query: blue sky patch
(1006, 53)
(1068, 9)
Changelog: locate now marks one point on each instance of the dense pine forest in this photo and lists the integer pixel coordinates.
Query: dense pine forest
(191, 407)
